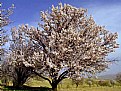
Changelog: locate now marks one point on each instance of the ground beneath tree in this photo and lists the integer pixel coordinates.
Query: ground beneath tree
(28, 88)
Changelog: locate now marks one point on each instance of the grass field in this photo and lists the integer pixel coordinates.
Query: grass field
(66, 85)
(92, 89)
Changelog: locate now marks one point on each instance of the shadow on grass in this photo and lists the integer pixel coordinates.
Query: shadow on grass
(26, 88)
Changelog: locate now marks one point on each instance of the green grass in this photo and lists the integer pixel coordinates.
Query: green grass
(65, 86)
(36, 83)
(92, 89)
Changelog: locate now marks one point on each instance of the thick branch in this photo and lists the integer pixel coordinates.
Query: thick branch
(62, 76)
(42, 77)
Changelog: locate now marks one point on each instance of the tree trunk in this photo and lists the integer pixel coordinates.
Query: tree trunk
(54, 87)
(21, 74)
(19, 81)
(16, 85)
(55, 81)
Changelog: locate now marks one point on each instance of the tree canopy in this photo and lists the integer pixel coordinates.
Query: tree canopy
(70, 40)
(69, 43)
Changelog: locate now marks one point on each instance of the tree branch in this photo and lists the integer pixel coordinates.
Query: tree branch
(62, 76)
(42, 77)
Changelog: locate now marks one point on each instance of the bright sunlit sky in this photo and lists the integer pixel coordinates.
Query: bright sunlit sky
(105, 12)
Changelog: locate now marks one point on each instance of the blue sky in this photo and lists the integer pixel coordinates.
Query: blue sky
(105, 12)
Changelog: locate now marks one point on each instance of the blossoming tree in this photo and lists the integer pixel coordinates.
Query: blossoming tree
(4, 21)
(70, 44)
(19, 61)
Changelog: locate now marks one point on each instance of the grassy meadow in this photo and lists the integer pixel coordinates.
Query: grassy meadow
(65, 85)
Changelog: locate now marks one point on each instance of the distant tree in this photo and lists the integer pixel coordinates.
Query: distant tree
(118, 77)
(77, 81)
(113, 82)
(104, 83)
(89, 83)
(90, 80)
(70, 40)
